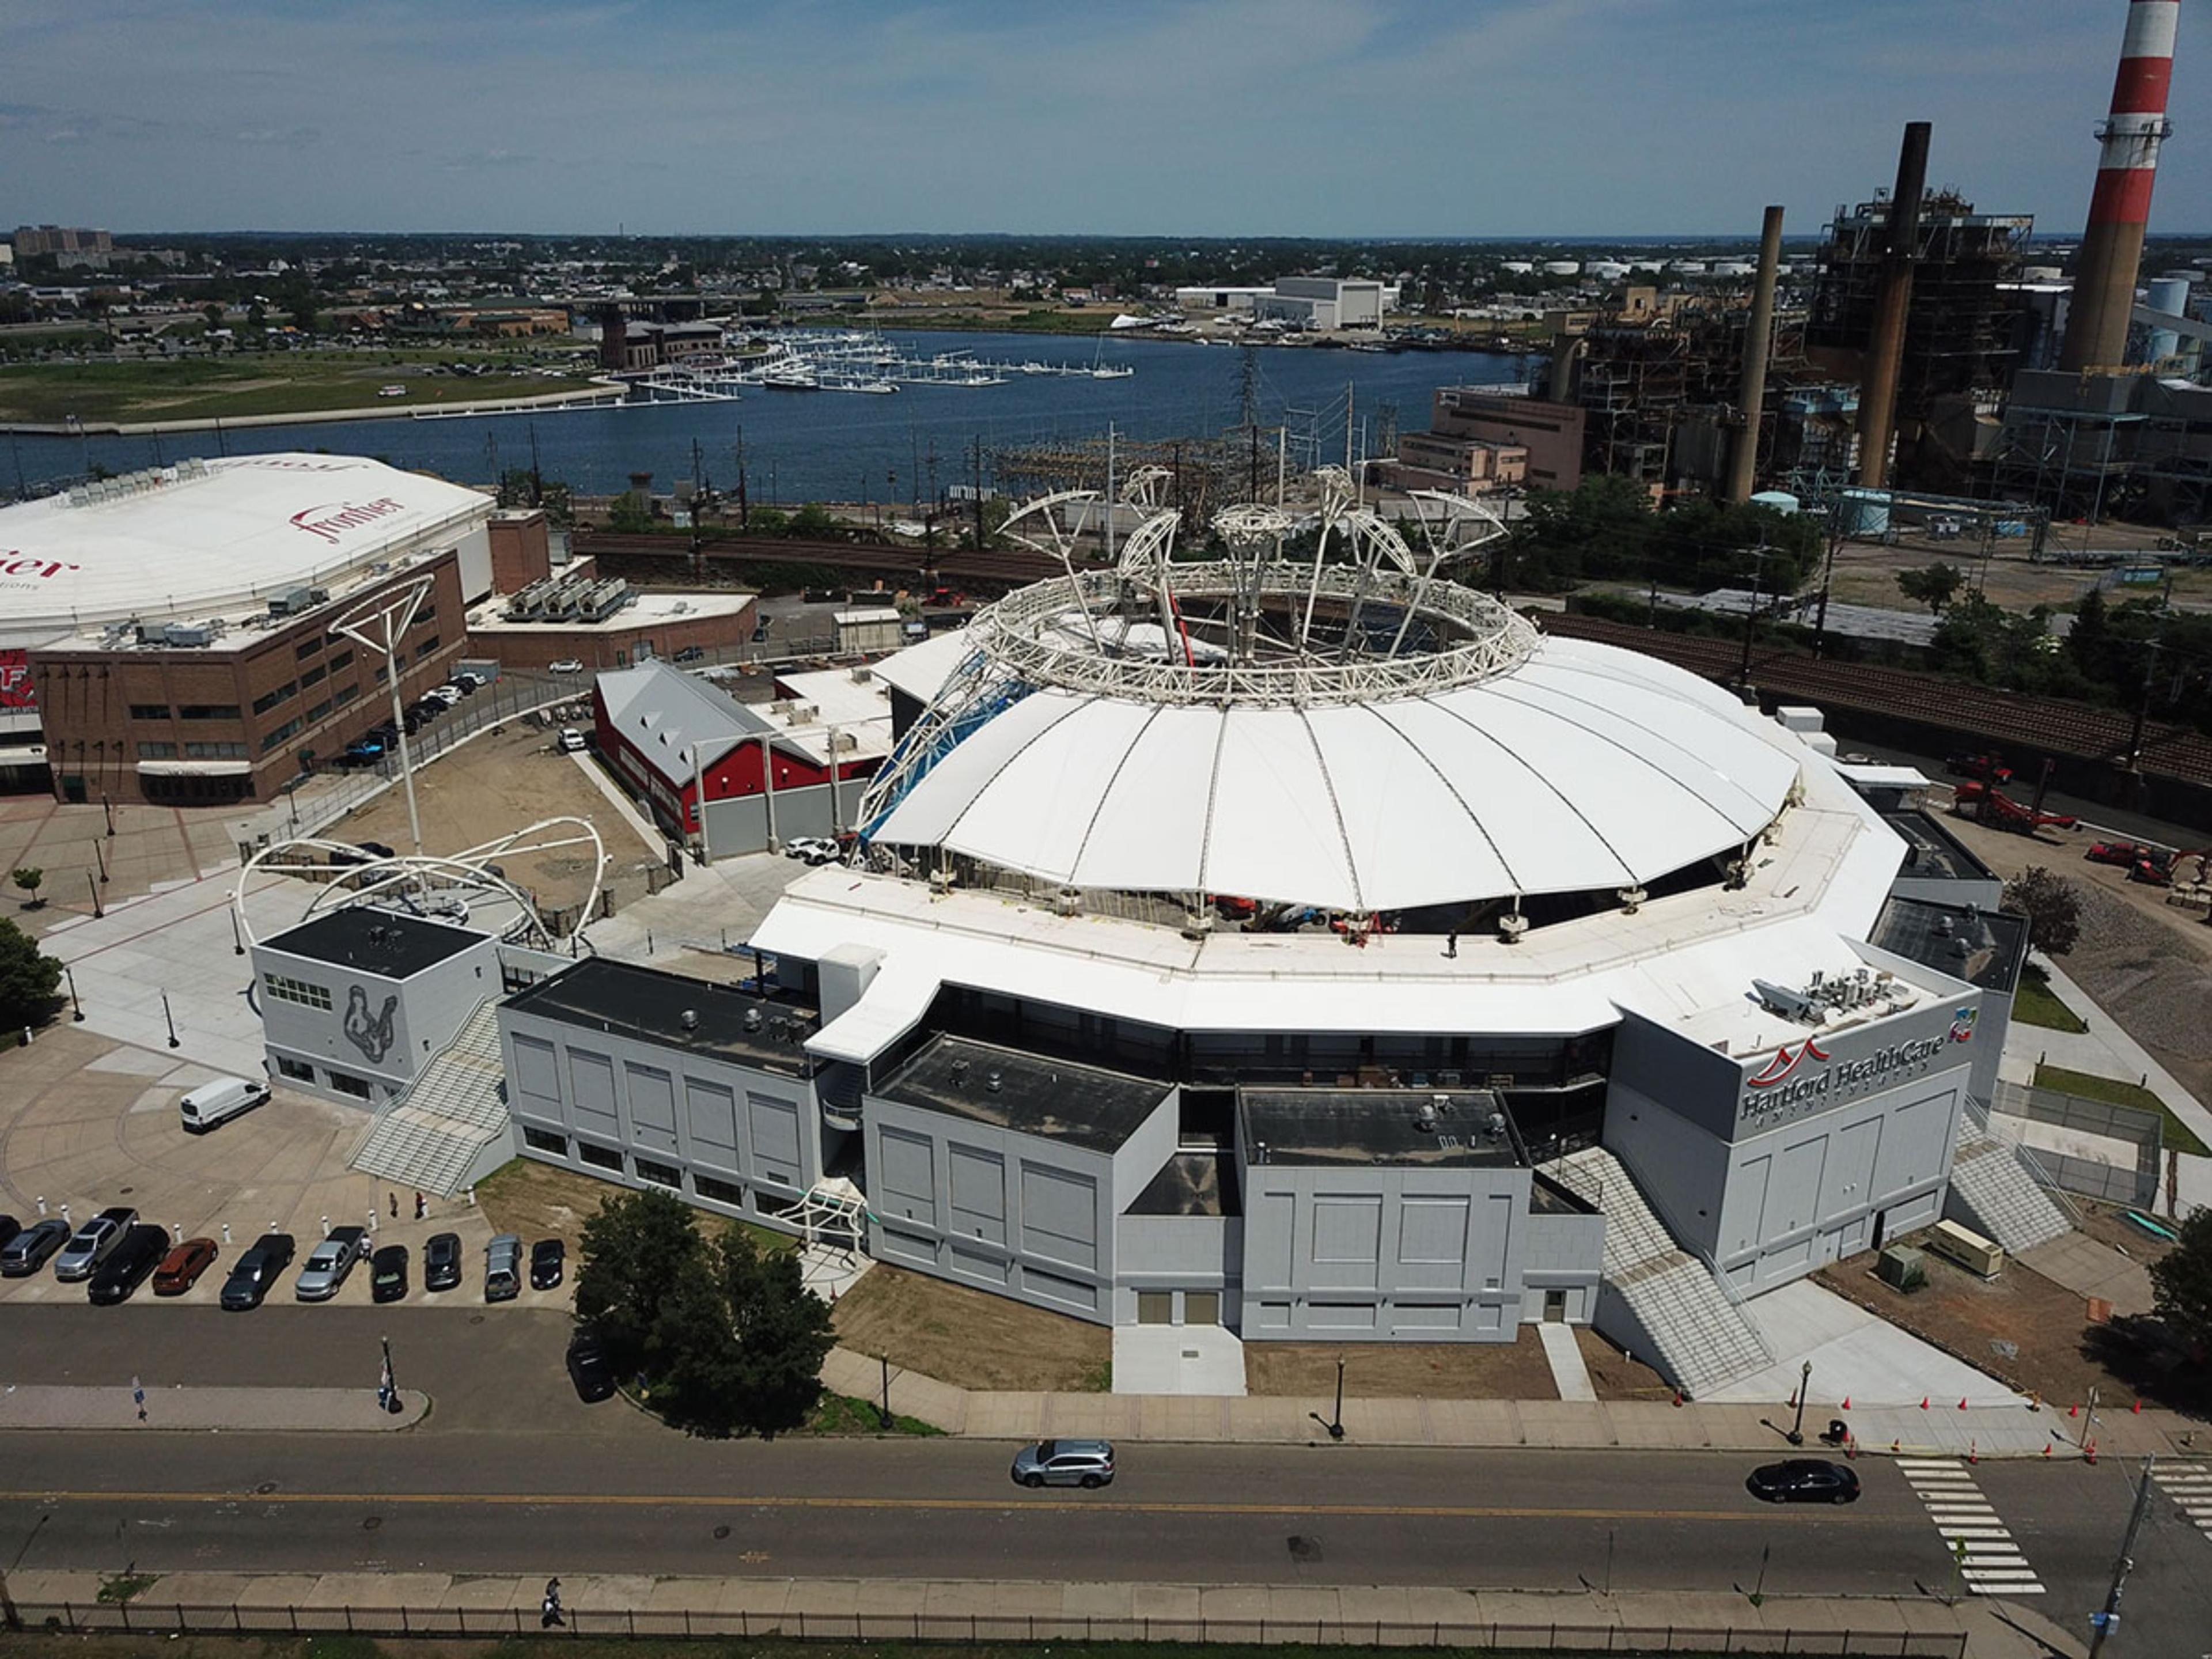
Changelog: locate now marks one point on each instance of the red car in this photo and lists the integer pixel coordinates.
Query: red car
(180, 1269)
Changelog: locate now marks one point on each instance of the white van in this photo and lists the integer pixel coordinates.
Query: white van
(211, 1102)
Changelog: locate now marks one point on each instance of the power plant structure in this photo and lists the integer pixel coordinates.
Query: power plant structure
(2119, 210)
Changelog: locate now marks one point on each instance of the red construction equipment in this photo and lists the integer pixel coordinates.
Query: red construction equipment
(1994, 807)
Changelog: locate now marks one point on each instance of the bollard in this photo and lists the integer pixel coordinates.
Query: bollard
(42, 1204)
(1973, 1452)
(65, 1213)
(372, 1218)
(326, 1226)
(176, 1233)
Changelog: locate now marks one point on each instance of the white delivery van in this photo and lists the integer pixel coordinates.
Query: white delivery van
(211, 1102)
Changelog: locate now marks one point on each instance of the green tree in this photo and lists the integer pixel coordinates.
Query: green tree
(28, 878)
(813, 523)
(2181, 1282)
(28, 979)
(738, 1341)
(2090, 641)
(636, 1250)
(2052, 905)
(1933, 586)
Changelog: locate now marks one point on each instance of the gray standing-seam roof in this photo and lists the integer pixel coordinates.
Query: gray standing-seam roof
(662, 711)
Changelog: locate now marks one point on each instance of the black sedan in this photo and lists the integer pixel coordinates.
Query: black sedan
(548, 1261)
(1804, 1480)
(128, 1266)
(387, 1274)
(441, 1261)
(588, 1369)
(25, 1254)
(256, 1272)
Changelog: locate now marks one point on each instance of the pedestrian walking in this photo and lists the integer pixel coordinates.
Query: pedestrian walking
(422, 1206)
(548, 1609)
(394, 1197)
(1451, 945)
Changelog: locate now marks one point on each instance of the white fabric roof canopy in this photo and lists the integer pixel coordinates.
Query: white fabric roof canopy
(1587, 768)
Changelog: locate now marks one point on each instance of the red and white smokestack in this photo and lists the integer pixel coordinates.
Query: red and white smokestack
(2112, 250)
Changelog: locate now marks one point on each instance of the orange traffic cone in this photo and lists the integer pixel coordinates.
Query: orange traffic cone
(2138, 1408)
(1962, 1402)
(2074, 1410)
(2046, 1448)
(2089, 1452)
(1847, 1402)
(1923, 1402)
(1973, 1452)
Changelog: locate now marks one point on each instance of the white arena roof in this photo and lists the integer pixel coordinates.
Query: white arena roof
(1585, 768)
(203, 537)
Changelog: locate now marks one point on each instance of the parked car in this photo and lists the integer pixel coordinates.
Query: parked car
(387, 1274)
(138, 1251)
(25, 1254)
(377, 849)
(1804, 1480)
(203, 1107)
(549, 1260)
(256, 1273)
(9, 1228)
(566, 666)
(1065, 1463)
(691, 653)
(329, 1263)
(572, 740)
(588, 1368)
(181, 1269)
(503, 1268)
(814, 849)
(441, 1261)
(92, 1243)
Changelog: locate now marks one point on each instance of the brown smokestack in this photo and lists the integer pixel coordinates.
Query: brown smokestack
(2111, 249)
(1886, 343)
(1758, 335)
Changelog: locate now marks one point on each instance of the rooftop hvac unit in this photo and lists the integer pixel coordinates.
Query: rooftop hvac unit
(189, 634)
(801, 713)
(862, 676)
(779, 709)
(843, 742)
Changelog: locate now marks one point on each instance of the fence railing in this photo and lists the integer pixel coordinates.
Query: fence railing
(2092, 1177)
(163, 1618)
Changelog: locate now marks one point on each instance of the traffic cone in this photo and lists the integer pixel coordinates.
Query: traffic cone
(2074, 1410)
(2046, 1448)
(1895, 1446)
(1973, 1452)
(1962, 1402)
(1923, 1402)
(2138, 1408)
(2089, 1452)
(1847, 1402)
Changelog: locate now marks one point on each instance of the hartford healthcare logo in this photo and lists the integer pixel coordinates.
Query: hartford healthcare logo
(332, 519)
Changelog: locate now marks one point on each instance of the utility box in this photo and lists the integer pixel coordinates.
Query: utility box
(1965, 1247)
(1901, 1268)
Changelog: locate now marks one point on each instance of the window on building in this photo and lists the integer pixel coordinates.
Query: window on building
(426, 648)
(150, 711)
(513, 978)
(157, 751)
(661, 1175)
(307, 995)
(318, 711)
(382, 673)
(308, 677)
(208, 711)
(306, 649)
(225, 750)
(718, 1192)
(298, 1070)
(276, 734)
(344, 695)
(602, 1158)
(269, 700)
(544, 1140)
(346, 1083)
(341, 659)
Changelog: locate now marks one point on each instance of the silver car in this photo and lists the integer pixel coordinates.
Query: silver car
(92, 1243)
(503, 1268)
(1065, 1463)
(332, 1261)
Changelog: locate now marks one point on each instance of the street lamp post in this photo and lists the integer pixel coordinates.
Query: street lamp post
(76, 1008)
(100, 858)
(93, 887)
(380, 624)
(169, 1019)
(1804, 1383)
(1335, 1424)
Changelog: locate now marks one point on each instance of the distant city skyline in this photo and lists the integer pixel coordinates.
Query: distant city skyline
(1369, 119)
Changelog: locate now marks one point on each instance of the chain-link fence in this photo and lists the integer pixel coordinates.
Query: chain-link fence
(165, 1619)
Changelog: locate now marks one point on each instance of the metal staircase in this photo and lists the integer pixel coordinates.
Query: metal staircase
(1995, 1191)
(431, 1137)
(1669, 1307)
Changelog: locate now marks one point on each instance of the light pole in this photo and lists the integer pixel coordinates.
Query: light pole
(76, 1009)
(1335, 1424)
(1804, 1383)
(380, 624)
(2100, 1625)
(169, 1019)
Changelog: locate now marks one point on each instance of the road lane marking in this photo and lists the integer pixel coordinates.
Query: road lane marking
(1989, 1560)
(1024, 1501)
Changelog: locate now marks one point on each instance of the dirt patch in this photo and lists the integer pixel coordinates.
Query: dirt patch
(1866, 574)
(2148, 963)
(1403, 1370)
(543, 1200)
(971, 1338)
(510, 777)
(2103, 1223)
(2021, 1327)
(1614, 1374)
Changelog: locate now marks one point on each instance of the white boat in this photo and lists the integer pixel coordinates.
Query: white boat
(791, 377)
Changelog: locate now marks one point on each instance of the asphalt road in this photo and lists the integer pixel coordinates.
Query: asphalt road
(511, 1474)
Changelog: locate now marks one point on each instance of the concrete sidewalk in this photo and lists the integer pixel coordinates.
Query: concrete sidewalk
(268, 1411)
(1941, 1429)
(425, 1603)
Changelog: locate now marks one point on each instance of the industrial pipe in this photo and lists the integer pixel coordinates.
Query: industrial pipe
(1759, 336)
(1885, 342)
(2119, 211)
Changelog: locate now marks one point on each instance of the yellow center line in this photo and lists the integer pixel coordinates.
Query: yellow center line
(745, 1500)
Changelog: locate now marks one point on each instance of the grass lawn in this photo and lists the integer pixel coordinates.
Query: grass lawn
(840, 1413)
(279, 383)
(543, 1200)
(2036, 1004)
(971, 1337)
(2178, 1135)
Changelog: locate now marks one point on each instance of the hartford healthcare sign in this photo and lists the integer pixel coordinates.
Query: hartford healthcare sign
(1811, 1073)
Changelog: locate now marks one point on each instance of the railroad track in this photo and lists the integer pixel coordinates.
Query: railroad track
(1013, 569)
(2042, 723)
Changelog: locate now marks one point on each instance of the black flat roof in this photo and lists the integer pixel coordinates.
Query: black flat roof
(650, 1005)
(1933, 853)
(1932, 934)
(1374, 1126)
(375, 940)
(1057, 1099)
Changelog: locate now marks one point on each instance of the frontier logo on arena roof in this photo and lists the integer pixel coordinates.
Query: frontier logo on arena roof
(333, 519)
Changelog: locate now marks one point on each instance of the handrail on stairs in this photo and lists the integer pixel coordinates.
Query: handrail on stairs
(394, 1103)
(2024, 1155)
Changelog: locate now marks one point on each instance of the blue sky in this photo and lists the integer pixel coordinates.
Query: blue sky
(1478, 118)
